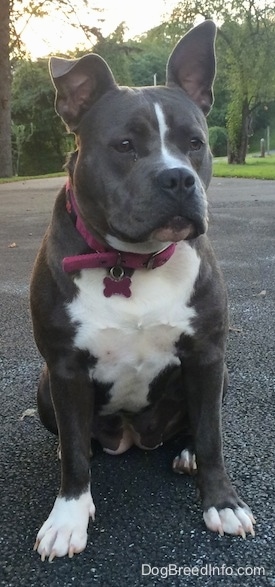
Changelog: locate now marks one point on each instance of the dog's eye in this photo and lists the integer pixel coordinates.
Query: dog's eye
(125, 146)
(195, 144)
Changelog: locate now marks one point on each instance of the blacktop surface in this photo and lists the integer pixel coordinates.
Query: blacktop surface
(148, 519)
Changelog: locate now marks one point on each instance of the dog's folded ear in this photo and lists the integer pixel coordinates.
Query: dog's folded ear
(79, 83)
(192, 64)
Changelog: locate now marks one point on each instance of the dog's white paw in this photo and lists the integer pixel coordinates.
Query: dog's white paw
(185, 462)
(238, 521)
(65, 530)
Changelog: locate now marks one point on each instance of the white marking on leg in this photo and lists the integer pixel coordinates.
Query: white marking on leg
(213, 521)
(65, 530)
(246, 518)
(185, 462)
(238, 522)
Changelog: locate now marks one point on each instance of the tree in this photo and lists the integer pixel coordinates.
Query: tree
(151, 50)
(11, 48)
(116, 52)
(246, 53)
(5, 92)
(37, 130)
(247, 46)
(40, 141)
(9, 45)
(20, 135)
(149, 60)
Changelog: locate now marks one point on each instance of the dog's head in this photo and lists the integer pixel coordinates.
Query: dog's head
(143, 160)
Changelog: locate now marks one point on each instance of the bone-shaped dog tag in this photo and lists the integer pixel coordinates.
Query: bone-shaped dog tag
(117, 283)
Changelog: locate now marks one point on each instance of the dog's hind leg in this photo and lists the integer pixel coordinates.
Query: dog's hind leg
(125, 443)
(185, 462)
(44, 402)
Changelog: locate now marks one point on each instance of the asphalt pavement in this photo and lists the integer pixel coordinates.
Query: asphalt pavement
(148, 519)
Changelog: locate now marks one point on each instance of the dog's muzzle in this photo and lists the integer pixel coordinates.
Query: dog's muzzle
(186, 201)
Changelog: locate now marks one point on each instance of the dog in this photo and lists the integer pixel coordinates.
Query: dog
(128, 303)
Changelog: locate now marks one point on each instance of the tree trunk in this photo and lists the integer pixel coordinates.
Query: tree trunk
(5, 92)
(237, 152)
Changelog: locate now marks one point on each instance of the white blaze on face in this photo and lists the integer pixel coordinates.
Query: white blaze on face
(169, 159)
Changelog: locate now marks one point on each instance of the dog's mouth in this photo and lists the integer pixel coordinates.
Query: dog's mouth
(177, 229)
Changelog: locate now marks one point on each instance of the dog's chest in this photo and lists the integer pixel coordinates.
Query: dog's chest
(133, 339)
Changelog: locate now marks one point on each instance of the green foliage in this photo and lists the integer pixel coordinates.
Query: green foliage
(147, 63)
(218, 141)
(217, 116)
(247, 44)
(244, 85)
(264, 117)
(245, 51)
(234, 121)
(21, 134)
(32, 107)
(254, 168)
(116, 53)
(152, 51)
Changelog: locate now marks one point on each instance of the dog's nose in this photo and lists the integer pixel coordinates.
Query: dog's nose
(176, 180)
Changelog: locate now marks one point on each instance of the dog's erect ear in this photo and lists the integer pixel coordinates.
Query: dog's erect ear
(79, 83)
(192, 64)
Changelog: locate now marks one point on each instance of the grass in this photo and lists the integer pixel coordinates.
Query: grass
(254, 168)
(25, 177)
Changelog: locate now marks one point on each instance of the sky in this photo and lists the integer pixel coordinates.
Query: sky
(47, 35)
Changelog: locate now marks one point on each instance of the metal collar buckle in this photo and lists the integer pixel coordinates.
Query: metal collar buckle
(150, 262)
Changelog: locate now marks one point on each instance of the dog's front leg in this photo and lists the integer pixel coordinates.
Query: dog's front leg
(65, 530)
(223, 510)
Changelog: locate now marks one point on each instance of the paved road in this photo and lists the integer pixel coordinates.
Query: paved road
(145, 513)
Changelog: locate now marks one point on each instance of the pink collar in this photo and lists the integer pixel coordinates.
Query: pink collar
(105, 257)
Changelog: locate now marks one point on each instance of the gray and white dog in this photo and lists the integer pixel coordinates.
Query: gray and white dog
(128, 304)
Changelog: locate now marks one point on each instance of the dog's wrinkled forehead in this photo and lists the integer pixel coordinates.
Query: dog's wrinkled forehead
(143, 112)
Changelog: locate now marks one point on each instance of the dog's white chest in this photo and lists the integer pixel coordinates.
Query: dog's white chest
(133, 339)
